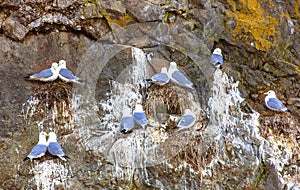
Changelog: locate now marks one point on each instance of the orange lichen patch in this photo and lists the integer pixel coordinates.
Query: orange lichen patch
(254, 23)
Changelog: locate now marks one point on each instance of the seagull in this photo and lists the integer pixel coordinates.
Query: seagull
(139, 116)
(65, 74)
(273, 103)
(46, 75)
(161, 78)
(127, 121)
(38, 150)
(217, 58)
(54, 148)
(177, 77)
(187, 120)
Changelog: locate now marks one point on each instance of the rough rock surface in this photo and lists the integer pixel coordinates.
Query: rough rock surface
(224, 150)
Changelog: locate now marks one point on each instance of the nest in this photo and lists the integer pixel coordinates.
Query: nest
(167, 96)
(50, 103)
(278, 124)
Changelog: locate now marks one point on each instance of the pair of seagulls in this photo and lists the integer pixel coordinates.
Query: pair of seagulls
(128, 120)
(42, 146)
(173, 74)
(139, 117)
(177, 77)
(57, 70)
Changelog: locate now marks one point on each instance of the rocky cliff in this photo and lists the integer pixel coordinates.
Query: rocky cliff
(236, 142)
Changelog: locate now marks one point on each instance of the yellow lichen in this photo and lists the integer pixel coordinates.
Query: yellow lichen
(120, 20)
(255, 23)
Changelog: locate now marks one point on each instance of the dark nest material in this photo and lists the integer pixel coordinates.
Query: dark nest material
(163, 101)
(165, 95)
(50, 101)
(198, 153)
(278, 124)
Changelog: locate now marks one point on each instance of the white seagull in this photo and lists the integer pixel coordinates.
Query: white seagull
(217, 58)
(65, 74)
(139, 116)
(54, 148)
(273, 103)
(46, 75)
(161, 78)
(187, 120)
(127, 121)
(177, 77)
(39, 149)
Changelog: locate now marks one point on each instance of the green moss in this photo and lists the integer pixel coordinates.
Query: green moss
(261, 174)
(121, 20)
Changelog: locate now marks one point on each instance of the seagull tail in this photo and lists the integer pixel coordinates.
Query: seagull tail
(64, 157)
(27, 78)
(25, 159)
(125, 131)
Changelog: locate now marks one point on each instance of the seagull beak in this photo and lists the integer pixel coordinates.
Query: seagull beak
(47, 135)
(266, 93)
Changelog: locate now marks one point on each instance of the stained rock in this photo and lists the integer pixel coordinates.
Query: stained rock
(14, 29)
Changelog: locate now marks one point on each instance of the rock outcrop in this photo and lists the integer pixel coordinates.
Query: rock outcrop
(236, 143)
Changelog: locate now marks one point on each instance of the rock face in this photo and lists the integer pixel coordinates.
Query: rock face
(236, 142)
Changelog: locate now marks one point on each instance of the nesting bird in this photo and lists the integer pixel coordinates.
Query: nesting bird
(273, 103)
(46, 75)
(54, 148)
(139, 116)
(65, 74)
(39, 149)
(178, 77)
(217, 58)
(127, 121)
(161, 78)
(187, 120)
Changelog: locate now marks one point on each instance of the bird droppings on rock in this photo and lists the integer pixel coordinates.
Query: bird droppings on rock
(51, 104)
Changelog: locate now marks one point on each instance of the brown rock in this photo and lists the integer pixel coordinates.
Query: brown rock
(14, 29)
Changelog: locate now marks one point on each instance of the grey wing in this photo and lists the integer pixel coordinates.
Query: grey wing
(179, 77)
(55, 149)
(275, 104)
(186, 120)
(68, 74)
(216, 59)
(140, 118)
(37, 150)
(127, 123)
(160, 77)
(43, 74)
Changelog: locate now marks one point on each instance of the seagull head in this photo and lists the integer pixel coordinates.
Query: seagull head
(188, 111)
(173, 65)
(270, 94)
(42, 137)
(62, 64)
(126, 111)
(54, 66)
(52, 137)
(164, 70)
(217, 51)
(139, 108)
